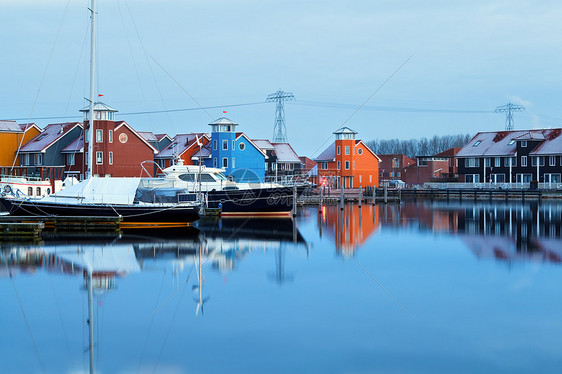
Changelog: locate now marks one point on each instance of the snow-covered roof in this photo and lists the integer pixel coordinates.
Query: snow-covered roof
(10, 126)
(180, 143)
(285, 153)
(203, 153)
(504, 143)
(50, 134)
(345, 130)
(264, 144)
(99, 107)
(223, 121)
(77, 146)
(329, 154)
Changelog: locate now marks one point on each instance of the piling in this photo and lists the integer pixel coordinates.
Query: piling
(295, 200)
(360, 191)
(385, 194)
(341, 198)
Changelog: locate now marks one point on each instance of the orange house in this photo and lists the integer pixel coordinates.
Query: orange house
(348, 162)
(184, 147)
(12, 137)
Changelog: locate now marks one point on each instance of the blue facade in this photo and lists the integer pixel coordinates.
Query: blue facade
(235, 153)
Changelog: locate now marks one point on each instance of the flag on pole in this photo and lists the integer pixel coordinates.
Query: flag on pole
(100, 95)
(224, 111)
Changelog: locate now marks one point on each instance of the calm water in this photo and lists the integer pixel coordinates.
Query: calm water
(412, 288)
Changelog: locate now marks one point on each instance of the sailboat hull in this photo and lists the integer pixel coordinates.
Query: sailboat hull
(128, 212)
(256, 202)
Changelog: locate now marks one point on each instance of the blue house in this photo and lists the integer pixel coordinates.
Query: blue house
(235, 152)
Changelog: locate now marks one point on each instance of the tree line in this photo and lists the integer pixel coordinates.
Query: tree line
(418, 147)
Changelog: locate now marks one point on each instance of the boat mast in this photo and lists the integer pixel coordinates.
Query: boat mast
(92, 93)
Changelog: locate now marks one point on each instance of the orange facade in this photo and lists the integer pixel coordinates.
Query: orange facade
(11, 141)
(354, 165)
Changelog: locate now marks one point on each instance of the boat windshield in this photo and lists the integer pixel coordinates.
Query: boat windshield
(221, 176)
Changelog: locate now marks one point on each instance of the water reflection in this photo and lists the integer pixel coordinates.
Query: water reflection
(503, 231)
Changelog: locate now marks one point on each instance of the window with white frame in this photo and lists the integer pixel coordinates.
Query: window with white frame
(215, 164)
(338, 149)
(353, 165)
(523, 161)
(215, 145)
(537, 160)
(497, 162)
(38, 159)
(472, 178)
(346, 149)
(233, 163)
(225, 160)
(99, 135)
(552, 160)
(70, 158)
(324, 166)
(99, 157)
(110, 158)
(339, 165)
(110, 136)
(487, 162)
(523, 144)
(347, 165)
(225, 145)
(472, 162)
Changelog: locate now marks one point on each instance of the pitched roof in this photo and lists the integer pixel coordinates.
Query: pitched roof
(504, 143)
(263, 144)
(99, 107)
(344, 130)
(118, 124)
(223, 121)
(329, 154)
(10, 126)
(203, 153)
(285, 153)
(180, 143)
(77, 146)
(50, 135)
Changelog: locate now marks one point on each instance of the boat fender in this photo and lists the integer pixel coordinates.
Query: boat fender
(7, 188)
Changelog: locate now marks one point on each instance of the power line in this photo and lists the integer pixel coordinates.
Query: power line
(389, 108)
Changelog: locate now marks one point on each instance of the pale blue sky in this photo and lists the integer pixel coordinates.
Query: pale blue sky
(467, 56)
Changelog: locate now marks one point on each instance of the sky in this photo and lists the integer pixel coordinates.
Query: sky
(387, 69)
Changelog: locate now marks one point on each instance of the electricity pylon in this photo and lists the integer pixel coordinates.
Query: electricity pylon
(508, 109)
(279, 130)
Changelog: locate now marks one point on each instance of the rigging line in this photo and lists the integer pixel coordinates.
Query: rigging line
(41, 83)
(378, 89)
(145, 104)
(61, 320)
(369, 98)
(168, 332)
(183, 89)
(390, 108)
(151, 323)
(148, 112)
(173, 293)
(27, 324)
(84, 42)
(146, 55)
(381, 286)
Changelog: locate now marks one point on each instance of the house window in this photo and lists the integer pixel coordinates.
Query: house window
(225, 145)
(360, 179)
(523, 161)
(347, 165)
(370, 179)
(324, 166)
(487, 162)
(225, 161)
(511, 142)
(242, 146)
(353, 165)
(110, 136)
(524, 178)
(215, 162)
(215, 145)
(99, 158)
(233, 163)
(537, 160)
(523, 144)
(552, 160)
(497, 162)
(39, 159)
(339, 165)
(25, 159)
(360, 151)
(395, 163)
(472, 162)
(110, 158)
(552, 178)
(339, 149)
(477, 143)
(472, 178)
(99, 136)
(233, 145)
(70, 158)
(346, 149)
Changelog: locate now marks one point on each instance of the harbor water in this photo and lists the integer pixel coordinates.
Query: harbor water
(416, 287)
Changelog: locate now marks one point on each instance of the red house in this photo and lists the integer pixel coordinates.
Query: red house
(118, 149)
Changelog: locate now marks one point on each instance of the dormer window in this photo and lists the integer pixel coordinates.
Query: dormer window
(523, 144)
(477, 143)
(40, 137)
